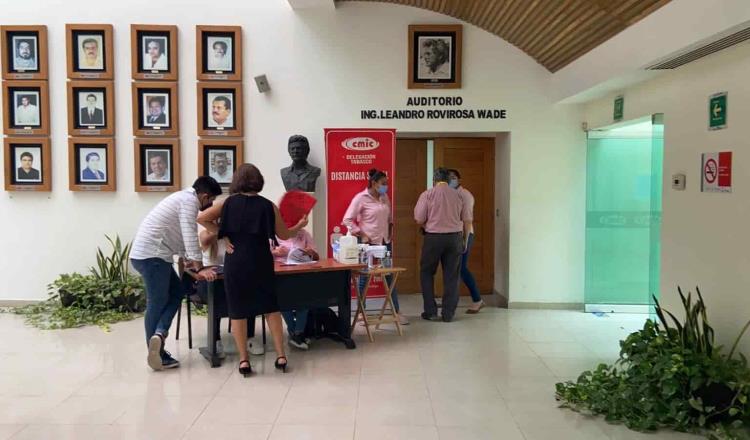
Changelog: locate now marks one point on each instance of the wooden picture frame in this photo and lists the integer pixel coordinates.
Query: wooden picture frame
(231, 150)
(39, 175)
(24, 52)
(145, 38)
(158, 100)
(26, 108)
(84, 164)
(97, 119)
(90, 51)
(226, 122)
(208, 47)
(153, 156)
(435, 53)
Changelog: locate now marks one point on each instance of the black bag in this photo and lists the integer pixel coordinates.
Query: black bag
(321, 322)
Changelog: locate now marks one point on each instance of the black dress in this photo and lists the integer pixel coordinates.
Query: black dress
(249, 223)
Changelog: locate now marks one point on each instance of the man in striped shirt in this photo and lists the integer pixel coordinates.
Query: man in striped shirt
(169, 229)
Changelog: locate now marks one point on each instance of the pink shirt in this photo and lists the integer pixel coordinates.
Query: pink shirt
(469, 202)
(302, 240)
(370, 215)
(441, 209)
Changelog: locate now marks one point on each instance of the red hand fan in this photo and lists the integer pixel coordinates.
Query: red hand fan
(294, 205)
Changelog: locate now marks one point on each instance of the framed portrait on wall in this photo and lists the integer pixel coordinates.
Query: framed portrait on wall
(155, 109)
(219, 159)
(89, 50)
(91, 108)
(218, 52)
(153, 52)
(220, 109)
(435, 56)
(157, 165)
(24, 52)
(27, 164)
(25, 107)
(91, 163)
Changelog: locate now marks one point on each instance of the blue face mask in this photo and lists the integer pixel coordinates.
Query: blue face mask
(382, 189)
(453, 183)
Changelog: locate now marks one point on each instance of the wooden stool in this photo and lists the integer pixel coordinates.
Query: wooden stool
(362, 298)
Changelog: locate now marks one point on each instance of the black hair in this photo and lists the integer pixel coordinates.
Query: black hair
(220, 43)
(207, 185)
(298, 139)
(90, 95)
(227, 102)
(158, 99)
(440, 175)
(27, 154)
(374, 175)
(89, 40)
(454, 171)
(92, 154)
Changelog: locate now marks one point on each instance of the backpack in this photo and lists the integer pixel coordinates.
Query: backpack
(321, 322)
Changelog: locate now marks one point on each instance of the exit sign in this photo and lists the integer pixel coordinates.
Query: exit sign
(619, 108)
(717, 111)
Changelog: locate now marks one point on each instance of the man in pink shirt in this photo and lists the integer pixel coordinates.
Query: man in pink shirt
(445, 219)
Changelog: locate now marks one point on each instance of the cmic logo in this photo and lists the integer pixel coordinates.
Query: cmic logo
(360, 144)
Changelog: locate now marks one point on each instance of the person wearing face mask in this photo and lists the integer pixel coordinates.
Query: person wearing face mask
(370, 218)
(466, 276)
(169, 229)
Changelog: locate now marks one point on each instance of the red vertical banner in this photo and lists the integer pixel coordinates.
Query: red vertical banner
(350, 154)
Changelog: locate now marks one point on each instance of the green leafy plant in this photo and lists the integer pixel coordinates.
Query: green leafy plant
(670, 374)
(109, 294)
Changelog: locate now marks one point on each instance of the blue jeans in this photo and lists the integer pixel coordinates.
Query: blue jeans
(466, 275)
(163, 294)
(296, 321)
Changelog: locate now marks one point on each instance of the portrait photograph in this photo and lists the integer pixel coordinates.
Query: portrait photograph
(219, 159)
(219, 51)
(220, 109)
(90, 108)
(25, 107)
(157, 165)
(155, 108)
(27, 164)
(154, 51)
(89, 51)
(92, 164)
(24, 52)
(435, 56)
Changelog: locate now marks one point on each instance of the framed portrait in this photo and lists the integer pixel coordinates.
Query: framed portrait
(91, 108)
(218, 53)
(155, 109)
(219, 159)
(91, 164)
(25, 107)
(220, 109)
(24, 52)
(435, 56)
(90, 54)
(27, 164)
(157, 165)
(153, 52)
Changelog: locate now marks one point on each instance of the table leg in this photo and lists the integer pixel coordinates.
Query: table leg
(209, 351)
(345, 314)
(361, 309)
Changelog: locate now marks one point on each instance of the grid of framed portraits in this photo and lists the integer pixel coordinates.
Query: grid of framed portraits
(220, 109)
(28, 164)
(155, 109)
(89, 50)
(219, 159)
(157, 165)
(25, 108)
(24, 52)
(92, 164)
(435, 56)
(91, 108)
(218, 53)
(153, 52)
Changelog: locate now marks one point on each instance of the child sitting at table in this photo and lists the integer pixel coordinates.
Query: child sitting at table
(297, 249)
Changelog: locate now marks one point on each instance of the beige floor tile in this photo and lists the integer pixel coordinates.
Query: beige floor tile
(399, 387)
(175, 410)
(240, 411)
(342, 390)
(477, 411)
(7, 431)
(396, 433)
(308, 432)
(228, 432)
(390, 412)
(86, 410)
(507, 432)
(67, 432)
(23, 410)
(560, 349)
(294, 414)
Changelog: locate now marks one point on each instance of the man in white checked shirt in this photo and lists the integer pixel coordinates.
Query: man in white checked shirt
(169, 229)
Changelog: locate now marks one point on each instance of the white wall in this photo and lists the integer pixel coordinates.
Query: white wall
(324, 66)
(704, 236)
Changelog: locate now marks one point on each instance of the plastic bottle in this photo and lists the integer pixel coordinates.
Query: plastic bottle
(387, 261)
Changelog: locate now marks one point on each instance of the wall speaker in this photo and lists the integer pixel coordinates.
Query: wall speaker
(262, 84)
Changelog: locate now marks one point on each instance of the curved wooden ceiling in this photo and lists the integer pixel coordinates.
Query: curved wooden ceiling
(553, 32)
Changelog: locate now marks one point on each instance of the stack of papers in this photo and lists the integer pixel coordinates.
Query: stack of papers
(298, 256)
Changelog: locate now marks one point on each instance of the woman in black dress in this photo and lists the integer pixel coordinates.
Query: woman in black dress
(248, 222)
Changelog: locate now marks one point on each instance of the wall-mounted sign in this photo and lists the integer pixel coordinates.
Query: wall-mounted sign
(717, 111)
(716, 169)
(435, 107)
(619, 108)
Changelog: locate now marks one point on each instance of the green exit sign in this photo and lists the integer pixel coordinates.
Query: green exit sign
(717, 111)
(619, 108)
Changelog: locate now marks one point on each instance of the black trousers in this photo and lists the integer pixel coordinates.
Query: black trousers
(446, 250)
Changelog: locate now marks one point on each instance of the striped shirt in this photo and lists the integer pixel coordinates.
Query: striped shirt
(169, 229)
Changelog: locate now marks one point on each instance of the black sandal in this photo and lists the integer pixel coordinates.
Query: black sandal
(280, 366)
(245, 371)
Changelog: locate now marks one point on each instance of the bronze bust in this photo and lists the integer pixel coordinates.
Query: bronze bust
(300, 175)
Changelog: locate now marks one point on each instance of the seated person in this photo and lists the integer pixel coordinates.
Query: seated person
(299, 248)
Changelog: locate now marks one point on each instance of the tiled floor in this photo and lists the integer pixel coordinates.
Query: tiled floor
(488, 376)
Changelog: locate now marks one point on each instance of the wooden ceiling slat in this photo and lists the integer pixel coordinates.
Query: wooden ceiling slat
(524, 19)
(561, 40)
(605, 26)
(533, 20)
(490, 13)
(646, 12)
(532, 33)
(603, 35)
(564, 16)
(500, 15)
(511, 17)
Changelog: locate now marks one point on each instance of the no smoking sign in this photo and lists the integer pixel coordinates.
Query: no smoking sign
(717, 172)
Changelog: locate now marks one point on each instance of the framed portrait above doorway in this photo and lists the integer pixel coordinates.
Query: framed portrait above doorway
(435, 56)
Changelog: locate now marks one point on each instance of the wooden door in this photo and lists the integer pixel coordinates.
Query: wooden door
(411, 178)
(474, 158)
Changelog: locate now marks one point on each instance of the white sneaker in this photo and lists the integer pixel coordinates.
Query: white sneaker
(155, 345)
(256, 347)
(220, 350)
(403, 320)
